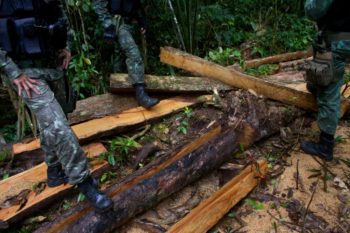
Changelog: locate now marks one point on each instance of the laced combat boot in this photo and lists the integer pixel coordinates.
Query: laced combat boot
(322, 149)
(143, 98)
(56, 176)
(99, 200)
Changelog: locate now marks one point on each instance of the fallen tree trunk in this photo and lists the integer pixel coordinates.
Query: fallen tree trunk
(101, 106)
(143, 190)
(237, 79)
(278, 58)
(14, 185)
(209, 212)
(168, 84)
(115, 123)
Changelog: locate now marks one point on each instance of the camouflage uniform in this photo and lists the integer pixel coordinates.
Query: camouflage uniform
(328, 97)
(57, 138)
(134, 62)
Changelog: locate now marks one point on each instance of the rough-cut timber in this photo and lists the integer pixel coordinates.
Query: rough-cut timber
(115, 123)
(237, 79)
(141, 192)
(25, 180)
(101, 106)
(209, 212)
(168, 84)
(278, 58)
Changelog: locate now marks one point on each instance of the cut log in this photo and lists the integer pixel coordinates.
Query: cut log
(101, 106)
(116, 123)
(237, 79)
(34, 176)
(209, 212)
(293, 65)
(278, 58)
(168, 84)
(143, 190)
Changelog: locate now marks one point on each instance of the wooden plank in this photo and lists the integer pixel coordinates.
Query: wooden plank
(278, 58)
(103, 105)
(25, 180)
(116, 123)
(168, 84)
(237, 79)
(209, 212)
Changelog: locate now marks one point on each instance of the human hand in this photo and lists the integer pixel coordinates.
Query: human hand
(66, 56)
(26, 83)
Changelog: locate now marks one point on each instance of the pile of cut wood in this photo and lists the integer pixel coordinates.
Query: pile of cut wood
(112, 114)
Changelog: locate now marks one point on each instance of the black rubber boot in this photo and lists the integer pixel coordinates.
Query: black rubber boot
(56, 176)
(322, 149)
(99, 200)
(143, 98)
(311, 88)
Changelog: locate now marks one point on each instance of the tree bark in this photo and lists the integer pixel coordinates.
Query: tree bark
(101, 106)
(278, 58)
(144, 189)
(168, 84)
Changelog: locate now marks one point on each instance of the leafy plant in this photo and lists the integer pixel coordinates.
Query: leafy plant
(263, 70)
(5, 176)
(225, 57)
(66, 205)
(81, 197)
(182, 127)
(255, 204)
(123, 145)
(107, 176)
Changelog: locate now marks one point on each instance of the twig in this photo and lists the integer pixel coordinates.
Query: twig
(297, 178)
(308, 205)
(325, 167)
(140, 134)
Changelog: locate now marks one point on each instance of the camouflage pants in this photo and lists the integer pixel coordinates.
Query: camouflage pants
(58, 140)
(128, 48)
(329, 98)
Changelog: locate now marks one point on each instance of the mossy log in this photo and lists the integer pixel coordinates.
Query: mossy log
(120, 83)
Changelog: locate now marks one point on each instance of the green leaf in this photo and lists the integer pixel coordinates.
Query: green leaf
(255, 204)
(81, 197)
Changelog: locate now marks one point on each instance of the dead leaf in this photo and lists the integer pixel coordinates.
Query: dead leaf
(37, 219)
(39, 187)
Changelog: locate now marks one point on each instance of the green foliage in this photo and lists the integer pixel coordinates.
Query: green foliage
(181, 120)
(5, 176)
(9, 132)
(123, 145)
(66, 205)
(255, 204)
(339, 139)
(107, 176)
(263, 70)
(81, 197)
(225, 57)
